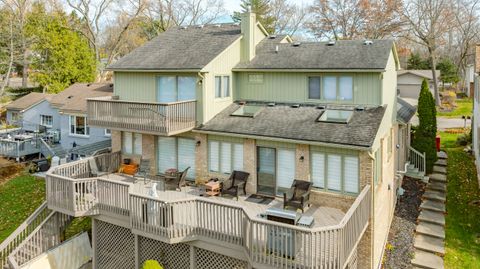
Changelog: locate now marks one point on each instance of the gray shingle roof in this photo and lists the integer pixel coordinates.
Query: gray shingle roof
(178, 48)
(29, 100)
(421, 73)
(345, 54)
(285, 122)
(405, 111)
(89, 149)
(74, 98)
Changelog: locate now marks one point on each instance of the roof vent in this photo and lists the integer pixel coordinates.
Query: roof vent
(331, 43)
(70, 97)
(295, 106)
(272, 36)
(367, 42)
(296, 44)
(271, 104)
(218, 25)
(276, 49)
(183, 27)
(321, 107)
(360, 108)
(200, 26)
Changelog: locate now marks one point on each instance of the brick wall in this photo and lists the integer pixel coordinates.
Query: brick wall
(201, 159)
(250, 164)
(302, 167)
(148, 151)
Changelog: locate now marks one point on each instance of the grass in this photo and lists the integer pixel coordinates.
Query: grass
(464, 108)
(462, 219)
(19, 197)
(79, 225)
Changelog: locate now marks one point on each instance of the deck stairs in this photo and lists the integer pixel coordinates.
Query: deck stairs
(417, 165)
(49, 149)
(41, 231)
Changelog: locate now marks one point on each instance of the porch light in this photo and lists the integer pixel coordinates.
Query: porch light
(198, 143)
(302, 158)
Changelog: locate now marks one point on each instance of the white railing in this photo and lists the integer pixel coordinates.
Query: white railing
(17, 149)
(193, 217)
(45, 236)
(45, 148)
(24, 230)
(158, 118)
(417, 159)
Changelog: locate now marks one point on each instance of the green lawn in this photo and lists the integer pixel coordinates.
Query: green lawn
(19, 197)
(464, 108)
(463, 218)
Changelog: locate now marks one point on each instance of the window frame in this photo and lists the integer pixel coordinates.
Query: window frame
(342, 172)
(109, 133)
(176, 87)
(222, 87)
(42, 117)
(337, 88)
(87, 128)
(232, 155)
(133, 141)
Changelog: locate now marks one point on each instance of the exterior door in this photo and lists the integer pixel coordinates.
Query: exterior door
(266, 168)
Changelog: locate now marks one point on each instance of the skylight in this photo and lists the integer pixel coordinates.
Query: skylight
(247, 111)
(336, 116)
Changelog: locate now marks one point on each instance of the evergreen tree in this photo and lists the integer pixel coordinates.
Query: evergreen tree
(61, 56)
(262, 10)
(449, 71)
(416, 62)
(424, 137)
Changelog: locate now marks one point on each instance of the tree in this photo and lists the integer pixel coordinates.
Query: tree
(288, 18)
(416, 62)
(449, 71)
(429, 20)
(425, 133)
(262, 9)
(61, 56)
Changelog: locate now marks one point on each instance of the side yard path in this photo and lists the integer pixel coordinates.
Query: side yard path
(19, 197)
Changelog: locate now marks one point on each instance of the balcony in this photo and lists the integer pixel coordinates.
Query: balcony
(153, 118)
(185, 216)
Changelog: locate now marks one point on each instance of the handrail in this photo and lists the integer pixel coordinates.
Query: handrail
(417, 159)
(110, 99)
(45, 144)
(14, 239)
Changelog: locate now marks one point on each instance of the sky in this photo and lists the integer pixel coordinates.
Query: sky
(234, 5)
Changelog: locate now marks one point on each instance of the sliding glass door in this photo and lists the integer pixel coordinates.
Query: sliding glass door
(266, 168)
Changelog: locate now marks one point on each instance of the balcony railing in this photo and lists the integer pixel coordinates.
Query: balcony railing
(189, 217)
(155, 118)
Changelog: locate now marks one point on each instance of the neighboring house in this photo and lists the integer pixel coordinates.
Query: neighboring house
(219, 98)
(409, 82)
(62, 115)
(33, 110)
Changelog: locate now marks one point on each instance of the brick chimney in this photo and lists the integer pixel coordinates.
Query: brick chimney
(248, 24)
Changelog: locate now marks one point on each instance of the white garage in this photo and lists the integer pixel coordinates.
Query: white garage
(409, 82)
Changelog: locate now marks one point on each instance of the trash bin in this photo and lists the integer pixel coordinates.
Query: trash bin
(437, 141)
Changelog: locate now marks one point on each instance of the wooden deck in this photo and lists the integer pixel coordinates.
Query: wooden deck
(323, 216)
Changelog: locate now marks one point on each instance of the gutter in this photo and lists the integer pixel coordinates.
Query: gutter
(285, 140)
(308, 70)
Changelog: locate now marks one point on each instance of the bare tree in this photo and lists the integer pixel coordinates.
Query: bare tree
(429, 20)
(10, 58)
(289, 18)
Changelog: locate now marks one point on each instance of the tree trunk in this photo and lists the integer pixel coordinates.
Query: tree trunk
(10, 64)
(433, 64)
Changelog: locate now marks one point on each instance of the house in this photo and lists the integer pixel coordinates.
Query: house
(213, 99)
(59, 120)
(409, 82)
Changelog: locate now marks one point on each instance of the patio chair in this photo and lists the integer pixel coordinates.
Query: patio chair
(178, 181)
(298, 196)
(95, 171)
(237, 181)
(142, 170)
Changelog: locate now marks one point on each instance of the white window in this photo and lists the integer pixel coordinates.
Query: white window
(174, 88)
(15, 116)
(378, 166)
(222, 86)
(132, 143)
(314, 87)
(78, 126)
(255, 78)
(223, 156)
(346, 89)
(285, 169)
(330, 88)
(108, 132)
(46, 120)
(335, 172)
(178, 153)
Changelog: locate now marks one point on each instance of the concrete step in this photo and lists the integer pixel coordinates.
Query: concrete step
(438, 177)
(442, 155)
(430, 229)
(423, 259)
(435, 196)
(432, 217)
(416, 175)
(433, 206)
(441, 162)
(439, 169)
(429, 244)
(437, 186)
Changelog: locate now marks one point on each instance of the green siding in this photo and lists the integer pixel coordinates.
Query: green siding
(293, 87)
(340, 151)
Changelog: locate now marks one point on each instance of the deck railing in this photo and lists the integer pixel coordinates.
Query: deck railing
(192, 218)
(157, 118)
(17, 149)
(417, 159)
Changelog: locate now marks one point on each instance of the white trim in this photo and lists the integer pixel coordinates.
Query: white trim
(75, 134)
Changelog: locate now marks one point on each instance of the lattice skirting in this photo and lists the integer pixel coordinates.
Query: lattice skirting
(352, 264)
(171, 256)
(114, 246)
(210, 260)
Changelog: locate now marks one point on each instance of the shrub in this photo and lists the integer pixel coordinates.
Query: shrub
(449, 98)
(151, 264)
(463, 140)
(425, 133)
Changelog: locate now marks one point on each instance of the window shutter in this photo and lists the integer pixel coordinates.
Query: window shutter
(285, 168)
(186, 88)
(226, 157)
(137, 138)
(186, 156)
(350, 173)
(318, 169)
(334, 172)
(127, 142)
(238, 157)
(213, 152)
(167, 153)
